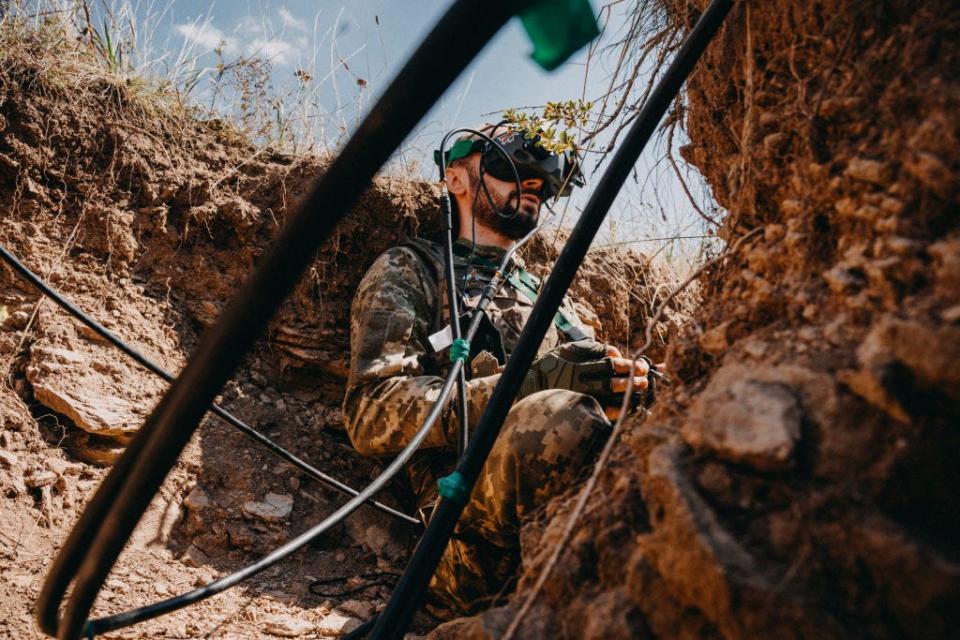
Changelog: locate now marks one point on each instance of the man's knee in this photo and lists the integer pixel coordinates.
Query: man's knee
(547, 439)
(554, 424)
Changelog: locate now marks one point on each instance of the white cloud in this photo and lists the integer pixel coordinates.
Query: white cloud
(249, 37)
(276, 51)
(292, 21)
(249, 26)
(203, 34)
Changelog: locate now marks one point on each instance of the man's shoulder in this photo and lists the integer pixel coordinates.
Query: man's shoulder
(429, 253)
(402, 266)
(400, 258)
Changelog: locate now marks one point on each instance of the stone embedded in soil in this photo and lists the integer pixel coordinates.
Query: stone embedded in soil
(369, 529)
(42, 478)
(748, 422)
(91, 388)
(276, 507)
(196, 500)
(95, 451)
(714, 340)
(8, 460)
(951, 315)
(901, 359)
(336, 624)
(117, 585)
(100, 390)
(241, 537)
(194, 557)
(12, 484)
(63, 467)
(868, 171)
(362, 609)
(287, 626)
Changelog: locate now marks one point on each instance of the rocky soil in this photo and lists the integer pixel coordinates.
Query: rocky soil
(148, 220)
(799, 480)
(802, 481)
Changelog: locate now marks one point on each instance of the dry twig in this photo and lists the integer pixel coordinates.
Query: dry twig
(608, 448)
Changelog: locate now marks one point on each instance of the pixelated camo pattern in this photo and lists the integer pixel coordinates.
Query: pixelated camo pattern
(394, 380)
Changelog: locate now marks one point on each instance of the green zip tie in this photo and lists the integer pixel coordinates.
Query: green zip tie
(459, 350)
(454, 487)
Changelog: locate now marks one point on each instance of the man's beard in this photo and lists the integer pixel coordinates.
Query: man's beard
(510, 221)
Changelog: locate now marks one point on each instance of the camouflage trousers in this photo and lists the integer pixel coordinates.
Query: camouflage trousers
(546, 441)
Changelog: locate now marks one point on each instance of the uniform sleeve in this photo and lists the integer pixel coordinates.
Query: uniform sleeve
(394, 382)
(571, 313)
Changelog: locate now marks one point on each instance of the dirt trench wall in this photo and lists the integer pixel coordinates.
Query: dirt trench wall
(149, 220)
(802, 480)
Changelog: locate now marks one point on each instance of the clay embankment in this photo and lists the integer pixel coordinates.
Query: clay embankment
(148, 220)
(802, 480)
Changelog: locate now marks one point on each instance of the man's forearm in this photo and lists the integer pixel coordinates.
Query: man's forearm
(383, 416)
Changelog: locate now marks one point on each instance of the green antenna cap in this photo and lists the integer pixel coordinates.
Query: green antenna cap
(558, 29)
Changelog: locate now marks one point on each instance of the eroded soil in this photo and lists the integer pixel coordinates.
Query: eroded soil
(801, 481)
(148, 221)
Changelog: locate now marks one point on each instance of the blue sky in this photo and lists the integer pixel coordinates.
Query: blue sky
(373, 38)
(353, 48)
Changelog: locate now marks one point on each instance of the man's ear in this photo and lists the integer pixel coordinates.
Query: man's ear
(457, 179)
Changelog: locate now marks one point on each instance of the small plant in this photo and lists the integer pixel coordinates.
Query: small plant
(555, 125)
(108, 49)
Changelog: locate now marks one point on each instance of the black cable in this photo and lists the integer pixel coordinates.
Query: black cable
(104, 527)
(377, 578)
(489, 140)
(454, 308)
(407, 597)
(463, 432)
(473, 232)
(148, 364)
(132, 616)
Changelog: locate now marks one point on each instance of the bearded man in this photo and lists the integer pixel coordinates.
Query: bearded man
(398, 360)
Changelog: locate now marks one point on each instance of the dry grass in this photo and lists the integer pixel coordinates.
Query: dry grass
(50, 52)
(110, 48)
(109, 52)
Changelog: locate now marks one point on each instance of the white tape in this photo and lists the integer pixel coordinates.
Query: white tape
(441, 339)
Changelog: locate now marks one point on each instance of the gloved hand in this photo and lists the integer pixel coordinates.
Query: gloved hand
(588, 367)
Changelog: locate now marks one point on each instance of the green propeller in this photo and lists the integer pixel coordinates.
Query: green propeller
(558, 29)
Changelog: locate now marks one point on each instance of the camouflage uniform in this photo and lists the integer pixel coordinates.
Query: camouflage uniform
(395, 377)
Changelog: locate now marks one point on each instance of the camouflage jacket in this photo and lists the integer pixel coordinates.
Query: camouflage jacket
(395, 375)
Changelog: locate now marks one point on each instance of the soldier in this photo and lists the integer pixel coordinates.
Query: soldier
(398, 359)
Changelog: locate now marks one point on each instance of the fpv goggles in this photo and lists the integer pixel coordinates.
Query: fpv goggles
(560, 173)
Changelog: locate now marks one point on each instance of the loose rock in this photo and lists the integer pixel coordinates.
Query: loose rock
(750, 422)
(8, 460)
(196, 500)
(194, 557)
(275, 507)
(62, 467)
(287, 626)
(42, 478)
(358, 608)
(336, 624)
(868, 171)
